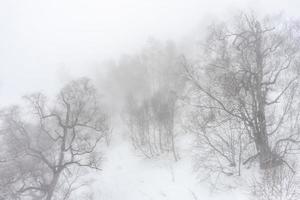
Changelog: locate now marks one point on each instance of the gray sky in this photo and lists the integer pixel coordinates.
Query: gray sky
(44, 42)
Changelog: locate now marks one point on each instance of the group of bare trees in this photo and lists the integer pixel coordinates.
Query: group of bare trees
(151, 85)
(241, 99)
(43, 145)
(240, 88)
(244, 88)
(152, 125)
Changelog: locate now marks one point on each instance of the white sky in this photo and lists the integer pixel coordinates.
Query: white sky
(44, 41)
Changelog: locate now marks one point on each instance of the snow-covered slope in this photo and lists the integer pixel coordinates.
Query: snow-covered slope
(127, 175)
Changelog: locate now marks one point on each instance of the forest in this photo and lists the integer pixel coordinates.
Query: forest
(222, 106)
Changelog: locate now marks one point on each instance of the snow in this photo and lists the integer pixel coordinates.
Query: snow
(127, 175)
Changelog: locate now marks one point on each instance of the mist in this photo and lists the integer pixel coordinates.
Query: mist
(156, 98)
(43, 41)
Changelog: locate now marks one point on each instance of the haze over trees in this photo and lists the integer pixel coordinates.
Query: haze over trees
(151, 82)
(236, 94)
(46, 143)
(247, 92)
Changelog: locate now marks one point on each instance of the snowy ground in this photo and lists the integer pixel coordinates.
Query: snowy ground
(128, 176)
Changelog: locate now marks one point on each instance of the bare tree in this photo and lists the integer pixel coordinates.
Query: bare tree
(54, 138)
(245, 86)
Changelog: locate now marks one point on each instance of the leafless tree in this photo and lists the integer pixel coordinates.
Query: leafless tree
(52, 139)
(244, 91)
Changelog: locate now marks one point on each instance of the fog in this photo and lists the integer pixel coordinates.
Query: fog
(45, 42)
(173, 99)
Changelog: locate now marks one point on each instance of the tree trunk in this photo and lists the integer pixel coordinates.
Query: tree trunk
(173, 147)
(267, 158)
(52, 186)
